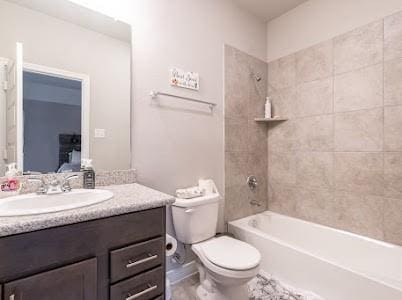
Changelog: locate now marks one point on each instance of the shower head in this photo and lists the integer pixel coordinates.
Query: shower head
(256, 77)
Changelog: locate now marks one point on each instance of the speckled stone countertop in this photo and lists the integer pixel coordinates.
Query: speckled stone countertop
(127, 198)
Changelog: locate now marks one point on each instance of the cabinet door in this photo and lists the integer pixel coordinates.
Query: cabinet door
(72, 282)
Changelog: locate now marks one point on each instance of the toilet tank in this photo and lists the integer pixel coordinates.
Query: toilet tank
(195, 219)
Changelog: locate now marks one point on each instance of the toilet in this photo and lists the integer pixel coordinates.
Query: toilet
(225, 264)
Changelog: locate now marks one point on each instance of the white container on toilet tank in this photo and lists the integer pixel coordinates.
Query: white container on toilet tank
(195, 220)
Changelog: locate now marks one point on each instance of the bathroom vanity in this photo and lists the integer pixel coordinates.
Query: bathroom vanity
(114, 250)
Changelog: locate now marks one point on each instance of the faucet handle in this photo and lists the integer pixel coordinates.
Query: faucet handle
(65, 185)
(252, 182)
(43, 186)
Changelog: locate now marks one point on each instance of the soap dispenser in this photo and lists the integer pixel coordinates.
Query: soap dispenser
(88, 174)
(12, 184)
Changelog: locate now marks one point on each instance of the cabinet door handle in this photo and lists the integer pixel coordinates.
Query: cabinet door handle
(141, 261)
(146, 291)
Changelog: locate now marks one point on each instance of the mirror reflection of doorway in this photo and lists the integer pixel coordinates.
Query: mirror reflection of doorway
(52, 108)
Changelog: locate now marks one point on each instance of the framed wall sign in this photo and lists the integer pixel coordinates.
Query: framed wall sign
(184, 79)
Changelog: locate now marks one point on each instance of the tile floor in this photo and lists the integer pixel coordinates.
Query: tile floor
(185, 289)
(262, 287)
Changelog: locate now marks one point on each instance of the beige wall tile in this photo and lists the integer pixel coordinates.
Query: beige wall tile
(282, 168)
(257, 137)
(393, 174)
(245, 140)
(236, 102)
(393, 221)
(315, 206)
(236, 203)
(257, 98)
(282, 136)
(257, 165)
(393, 128)
(360, 214)
(393, 82)
(359, 48)
(315, 133)
(314, 63)
(314, 170)
(282, 73)
(393, 36)
(359, 172)
(314, 98)
(237, 83)
(282, 199)
(236, 138)
(258, 89)
(359, 131)
(236, 165)
(361, 89)
(283, 102)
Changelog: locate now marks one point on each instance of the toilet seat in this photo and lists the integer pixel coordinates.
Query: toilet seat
(228, 257)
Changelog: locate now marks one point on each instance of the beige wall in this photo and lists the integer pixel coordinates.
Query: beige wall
(176, 143)
(58, 44)
(338, 159)
(318, 20)
(245, 139)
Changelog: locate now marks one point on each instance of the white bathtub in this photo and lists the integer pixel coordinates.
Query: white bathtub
(334, 264)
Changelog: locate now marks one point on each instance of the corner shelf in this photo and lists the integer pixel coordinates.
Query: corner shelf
(270, 120)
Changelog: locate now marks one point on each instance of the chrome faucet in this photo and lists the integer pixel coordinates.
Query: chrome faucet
(55, 186)
(252, 182)
(42, 189)
(65, 183)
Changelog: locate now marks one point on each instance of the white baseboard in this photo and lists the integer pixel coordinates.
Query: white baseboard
(178, 274)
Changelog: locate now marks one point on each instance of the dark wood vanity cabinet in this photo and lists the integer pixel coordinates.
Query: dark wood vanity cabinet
(116, 258)
(72, 282)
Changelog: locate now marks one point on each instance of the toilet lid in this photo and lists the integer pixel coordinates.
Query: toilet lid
(229, 253)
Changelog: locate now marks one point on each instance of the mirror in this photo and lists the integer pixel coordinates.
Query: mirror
(65, 72)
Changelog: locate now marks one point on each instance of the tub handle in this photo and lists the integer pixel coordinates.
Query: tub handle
(189, 210)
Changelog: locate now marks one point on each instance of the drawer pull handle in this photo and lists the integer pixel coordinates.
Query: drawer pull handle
(146, 291)
(141, 261)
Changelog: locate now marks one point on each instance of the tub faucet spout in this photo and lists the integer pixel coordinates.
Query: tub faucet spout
(255, 203)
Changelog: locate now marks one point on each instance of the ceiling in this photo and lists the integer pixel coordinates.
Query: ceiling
(268, 9)
(79, 15)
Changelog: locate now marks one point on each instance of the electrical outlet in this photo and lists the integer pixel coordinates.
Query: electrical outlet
(100, 133)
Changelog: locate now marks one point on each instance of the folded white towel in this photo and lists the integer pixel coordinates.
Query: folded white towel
(189, 193)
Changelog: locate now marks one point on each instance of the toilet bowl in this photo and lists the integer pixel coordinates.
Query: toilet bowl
(225, 266)
(224, 263)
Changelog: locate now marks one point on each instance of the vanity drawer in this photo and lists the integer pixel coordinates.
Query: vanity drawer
(145, 286)
(131, 260)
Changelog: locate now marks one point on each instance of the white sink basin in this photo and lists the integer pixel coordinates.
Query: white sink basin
(33, 204)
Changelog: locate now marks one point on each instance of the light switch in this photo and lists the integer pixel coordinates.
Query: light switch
(100, 133)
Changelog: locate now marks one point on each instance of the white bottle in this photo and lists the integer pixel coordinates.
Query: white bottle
(11, 171)
(268, 113)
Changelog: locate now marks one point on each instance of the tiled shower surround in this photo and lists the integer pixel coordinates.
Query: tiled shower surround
(245, 140)
(338, 159)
